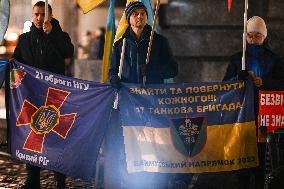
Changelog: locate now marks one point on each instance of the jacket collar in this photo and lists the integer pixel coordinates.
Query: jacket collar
(144, 36)
(35, 30)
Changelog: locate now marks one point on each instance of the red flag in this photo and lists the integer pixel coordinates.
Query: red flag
(229, 5)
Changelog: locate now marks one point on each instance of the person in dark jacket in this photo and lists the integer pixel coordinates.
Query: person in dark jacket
(265, 66)
(161, 65)
(266, 70)
(45, 47)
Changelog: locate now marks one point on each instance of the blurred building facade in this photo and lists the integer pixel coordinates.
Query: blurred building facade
(204, 36)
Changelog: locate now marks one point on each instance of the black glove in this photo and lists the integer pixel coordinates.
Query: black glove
(243, 75)
(143, 69)
(115, 81)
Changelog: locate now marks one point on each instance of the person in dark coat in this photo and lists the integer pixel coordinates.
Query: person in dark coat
(266, 70)
(45, 47)
(161, 65)
(265, 67)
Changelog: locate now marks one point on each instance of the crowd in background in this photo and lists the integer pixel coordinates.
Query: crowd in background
(91, 45)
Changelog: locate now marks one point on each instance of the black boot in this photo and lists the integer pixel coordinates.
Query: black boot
(60, 180)
(33, 180)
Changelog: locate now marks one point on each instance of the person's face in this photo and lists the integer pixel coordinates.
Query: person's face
(38, 16)
(138, 18)
(255, 38)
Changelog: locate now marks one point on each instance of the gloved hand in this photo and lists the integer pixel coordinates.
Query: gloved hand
(11, 60)
(243, 75)
(143, 69)
(115, 81)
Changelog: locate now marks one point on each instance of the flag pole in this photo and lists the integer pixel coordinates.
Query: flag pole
(121, 62)
(151, 37)
(46, 10)
(245, 36)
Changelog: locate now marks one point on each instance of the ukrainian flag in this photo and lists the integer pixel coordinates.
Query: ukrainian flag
(122, 25)
(88, 5)
(109, 38)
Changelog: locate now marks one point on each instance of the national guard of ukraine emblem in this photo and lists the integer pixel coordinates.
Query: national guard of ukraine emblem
(16, 77)
(45, 119)
(189, 134)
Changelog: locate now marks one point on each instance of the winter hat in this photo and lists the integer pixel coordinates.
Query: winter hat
(257, 24)
(133, 6)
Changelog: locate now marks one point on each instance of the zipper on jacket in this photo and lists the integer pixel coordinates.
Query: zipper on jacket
(137, 45)
(137, 62)
(37, 45)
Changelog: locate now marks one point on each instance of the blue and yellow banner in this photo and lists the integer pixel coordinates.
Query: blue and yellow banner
(188, 128)
(57, 122)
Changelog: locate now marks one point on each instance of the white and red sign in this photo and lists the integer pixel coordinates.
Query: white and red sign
(271, 111)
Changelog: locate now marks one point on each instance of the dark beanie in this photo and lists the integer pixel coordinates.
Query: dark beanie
(133, 6)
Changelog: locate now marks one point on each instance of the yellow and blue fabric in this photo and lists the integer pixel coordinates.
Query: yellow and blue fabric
(122, 25)
(59, 124)
(188, 128)
(109, 39)
(88, 5)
